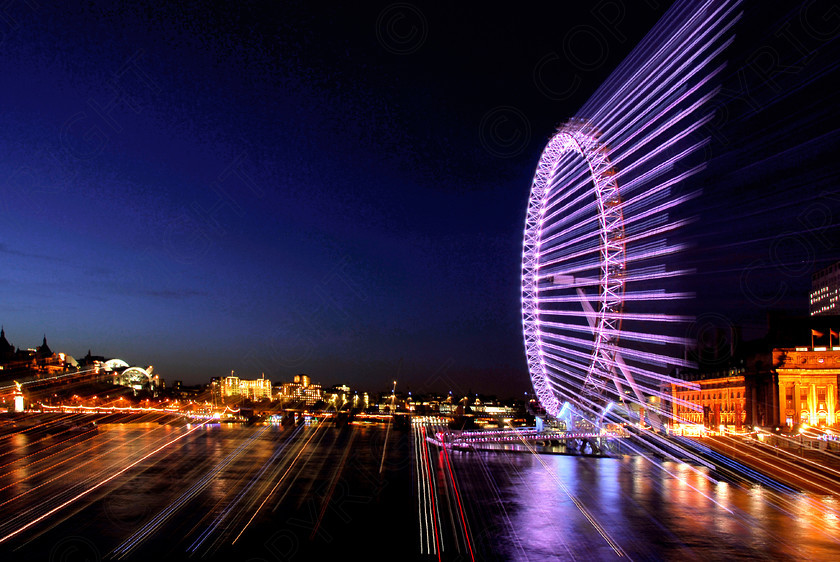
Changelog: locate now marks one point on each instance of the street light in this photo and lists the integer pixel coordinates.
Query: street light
(393, 397)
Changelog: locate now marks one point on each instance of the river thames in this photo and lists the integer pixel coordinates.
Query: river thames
(218, 491)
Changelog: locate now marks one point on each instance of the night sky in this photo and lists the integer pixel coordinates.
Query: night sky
(340, 190)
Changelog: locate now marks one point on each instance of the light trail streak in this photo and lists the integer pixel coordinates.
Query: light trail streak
(423, 494)
(592, 237)
(460, 507)
(662, 188)
(136, 410)
(447, 495)
(276, 485)
(432, 497)
(29, 444)
(32, 512)
(661, 467)
(786, 503)
(388, 430)
(51, 422)
(635, 336)
(94, 428)
(581, 179)
(262, 481)
(164, 515)
(488, 477)
(86, 452)
(305, 463)
(48, 379)
(333, 481)
(582, 508)
(637, 296)
(29, 465)
(626, 95)
(787, 464)
(418, 480)
(231, 506)
(779, 493)
(644, 317)
(580, 374)
(99, 485)
(596, 215)
(120, 462)
(665, 447)
(747, 522)
(723, 460)
(650, 357)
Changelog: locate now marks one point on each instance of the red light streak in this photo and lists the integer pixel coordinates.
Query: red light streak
(432, 496)
(460, 507)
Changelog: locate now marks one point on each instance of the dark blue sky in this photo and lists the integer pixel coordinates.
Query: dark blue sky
(340, 190)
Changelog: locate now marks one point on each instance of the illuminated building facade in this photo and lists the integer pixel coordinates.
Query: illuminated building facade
(797, 386)
(302, 390)
(719, 401)
(339, 396)
(807, 385)
(825, 291)
(737, 392)
(255, 389)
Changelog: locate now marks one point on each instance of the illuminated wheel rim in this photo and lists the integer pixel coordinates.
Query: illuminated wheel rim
(573, 266)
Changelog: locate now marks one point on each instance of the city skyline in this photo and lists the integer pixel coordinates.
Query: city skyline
(343, 192)
(458, 282)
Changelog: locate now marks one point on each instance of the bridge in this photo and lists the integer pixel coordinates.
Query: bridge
(530, 439)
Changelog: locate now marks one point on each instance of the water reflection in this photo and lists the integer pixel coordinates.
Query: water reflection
(667, 511)
(323, 490)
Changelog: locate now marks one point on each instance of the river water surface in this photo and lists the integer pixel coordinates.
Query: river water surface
(150, 491)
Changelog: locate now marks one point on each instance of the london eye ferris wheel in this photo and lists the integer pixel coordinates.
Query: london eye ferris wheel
(597, 278)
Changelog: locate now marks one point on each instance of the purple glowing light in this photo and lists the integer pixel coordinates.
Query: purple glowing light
(596, 229)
